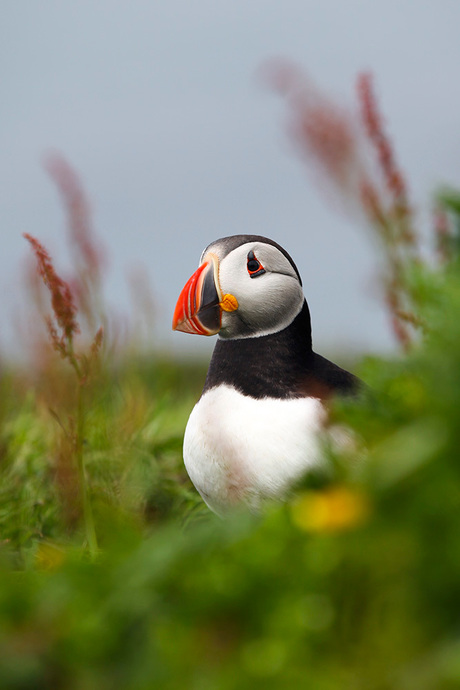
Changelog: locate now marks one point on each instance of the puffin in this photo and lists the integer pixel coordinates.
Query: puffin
(257, 428)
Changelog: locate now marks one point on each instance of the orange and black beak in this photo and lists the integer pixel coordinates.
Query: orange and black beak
(200, 304)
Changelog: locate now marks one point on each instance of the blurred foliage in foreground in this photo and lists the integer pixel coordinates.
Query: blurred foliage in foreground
(114, 575)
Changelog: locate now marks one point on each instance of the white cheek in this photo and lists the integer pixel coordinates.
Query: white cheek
(267, 304)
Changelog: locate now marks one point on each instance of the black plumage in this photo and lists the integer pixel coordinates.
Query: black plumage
(281, 365)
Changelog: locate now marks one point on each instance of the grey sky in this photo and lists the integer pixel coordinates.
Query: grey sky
(158, 107)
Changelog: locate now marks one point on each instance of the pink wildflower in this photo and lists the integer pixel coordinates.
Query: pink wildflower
(323, 130)
(372, 121)
(62, 302)
(78, 211)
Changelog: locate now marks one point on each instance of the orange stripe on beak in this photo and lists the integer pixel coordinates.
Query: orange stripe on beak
(197, 309)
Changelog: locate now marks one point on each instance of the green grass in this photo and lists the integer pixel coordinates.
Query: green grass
(132, 448)
(176, 597)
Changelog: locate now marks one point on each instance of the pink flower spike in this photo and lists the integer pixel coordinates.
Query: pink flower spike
(61, 296)
(372, 120)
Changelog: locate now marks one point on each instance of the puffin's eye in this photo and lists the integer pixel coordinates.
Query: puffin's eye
(254, 266)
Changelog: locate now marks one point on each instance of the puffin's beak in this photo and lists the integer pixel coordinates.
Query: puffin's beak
(199, 307)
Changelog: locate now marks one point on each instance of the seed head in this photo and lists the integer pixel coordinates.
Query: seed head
(62, 301)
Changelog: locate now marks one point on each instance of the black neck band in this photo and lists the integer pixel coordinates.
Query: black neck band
(274, 365)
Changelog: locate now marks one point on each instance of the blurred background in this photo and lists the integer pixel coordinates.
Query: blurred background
(162, 109)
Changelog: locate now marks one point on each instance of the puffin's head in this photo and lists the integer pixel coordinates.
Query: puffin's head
(245, 286)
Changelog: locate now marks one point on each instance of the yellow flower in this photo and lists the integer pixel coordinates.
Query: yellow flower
(331, 510)
(49, 556)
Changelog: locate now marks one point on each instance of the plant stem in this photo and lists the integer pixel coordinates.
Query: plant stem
(88, 519)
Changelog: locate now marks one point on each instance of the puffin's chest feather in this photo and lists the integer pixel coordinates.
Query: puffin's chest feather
(238, 447)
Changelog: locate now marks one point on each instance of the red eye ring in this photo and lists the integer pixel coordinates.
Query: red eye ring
(254, 266)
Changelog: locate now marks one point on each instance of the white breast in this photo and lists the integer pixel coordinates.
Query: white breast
(237, 448)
